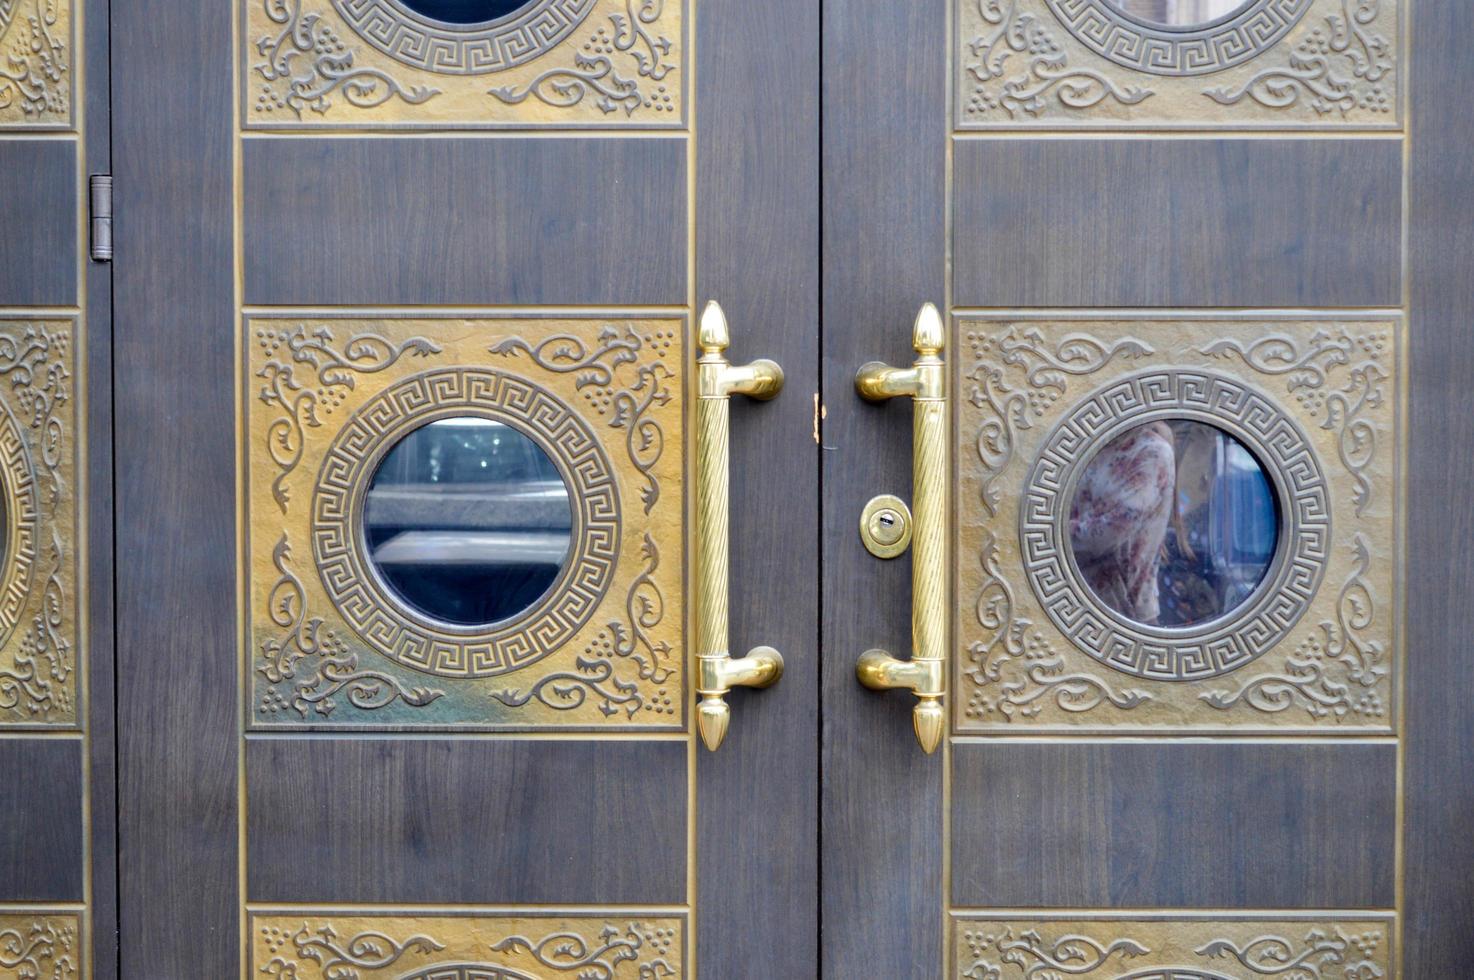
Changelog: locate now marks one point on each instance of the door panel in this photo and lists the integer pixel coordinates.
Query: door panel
(538, 198)
(56, 700)
(1135, 227)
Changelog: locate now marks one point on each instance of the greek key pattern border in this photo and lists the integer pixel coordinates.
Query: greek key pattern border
(1225, 645)
(378, 617)
(453, 50)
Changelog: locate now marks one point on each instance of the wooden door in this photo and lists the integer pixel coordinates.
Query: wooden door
(57, 873)
(1188, 257)
(384, 714)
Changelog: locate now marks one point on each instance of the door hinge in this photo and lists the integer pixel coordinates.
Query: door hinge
(100, 209)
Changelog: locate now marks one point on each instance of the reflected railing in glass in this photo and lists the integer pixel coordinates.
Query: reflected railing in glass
(468, 521)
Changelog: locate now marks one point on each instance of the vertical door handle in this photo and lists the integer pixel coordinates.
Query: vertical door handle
(925, 674)
(717, 671)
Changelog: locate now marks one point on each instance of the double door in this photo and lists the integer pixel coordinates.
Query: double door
(657, 488)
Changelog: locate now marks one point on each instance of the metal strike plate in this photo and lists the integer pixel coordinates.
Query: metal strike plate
(885, 526)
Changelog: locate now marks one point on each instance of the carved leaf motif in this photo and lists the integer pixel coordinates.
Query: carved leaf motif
(33, 71)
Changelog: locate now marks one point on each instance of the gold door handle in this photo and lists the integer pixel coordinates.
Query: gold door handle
(925, 673)
(717, 671)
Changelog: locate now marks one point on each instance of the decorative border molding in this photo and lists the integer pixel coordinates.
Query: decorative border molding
(474, 49)
(1278, 64)
(40, 575)
(1171, 946)
(436, 945)
(375, 64)
(1018, 379)
(36, 49)
(1222, 645)
(380, 618)
(325, 397)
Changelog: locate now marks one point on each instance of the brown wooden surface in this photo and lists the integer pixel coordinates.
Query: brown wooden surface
(1130, 825)
(175, 491)
(41, 820)
(1439, 911)
(885, 130)
(1171, 222)
(495, 822)
(99, 702)
(757, 253)
(496, 221)
(38, 210)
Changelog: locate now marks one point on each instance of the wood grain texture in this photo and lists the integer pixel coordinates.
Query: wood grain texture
(1440, 618)
(1172, 825)
(175, 491)
(465, 221)
(758, 253)
(884, 158)
(99, 702)
(41, 820)
(1208, 222)
(466, 821)
(38, 210)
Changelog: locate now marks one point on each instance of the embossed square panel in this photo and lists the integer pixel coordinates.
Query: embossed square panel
(455, 945)
(1144, 64)
(485, 64)
(464, 522)
(41, 943)
(988, 946)
(37, 50)
(1178, 523)
(40, 568)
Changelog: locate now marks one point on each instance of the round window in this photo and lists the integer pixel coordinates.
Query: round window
(465, 11)
(1173, 523)
(1186, 14)
(468, 521)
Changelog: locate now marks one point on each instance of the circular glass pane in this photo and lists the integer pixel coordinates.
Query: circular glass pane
(468, 521)
(464, 11)
(1180, 13)
(1173, 523)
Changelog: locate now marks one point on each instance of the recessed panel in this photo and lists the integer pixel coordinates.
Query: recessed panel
(1179, 64)
(37, 50)
(457, 64)
(38, 205)
(465, 523)
(323, 944)
(40, 569)
(41, 827)
(1178, 524)
(1170, 946)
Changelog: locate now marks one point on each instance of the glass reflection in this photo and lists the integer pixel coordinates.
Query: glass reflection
(464, 11)
(468, 521)
(1173, 523)
(1180, 13)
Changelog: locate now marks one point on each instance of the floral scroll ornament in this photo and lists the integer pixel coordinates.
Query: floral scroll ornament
(629, 43)
(304, 402)
(1018, 65)
(44, 948)
(1341, 66)
(1030, 956)
(646, 946)
(307, 62)
(1352, 957)
(315, 662)
(34, 66)
(338, 958)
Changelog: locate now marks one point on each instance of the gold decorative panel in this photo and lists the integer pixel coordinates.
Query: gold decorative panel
(378, 64)
(605, 945)
(39, 564)
(1292, 946)
(329, 646)
(1312, 647)
(1297, 64)
(36, 52)
(41, 946)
